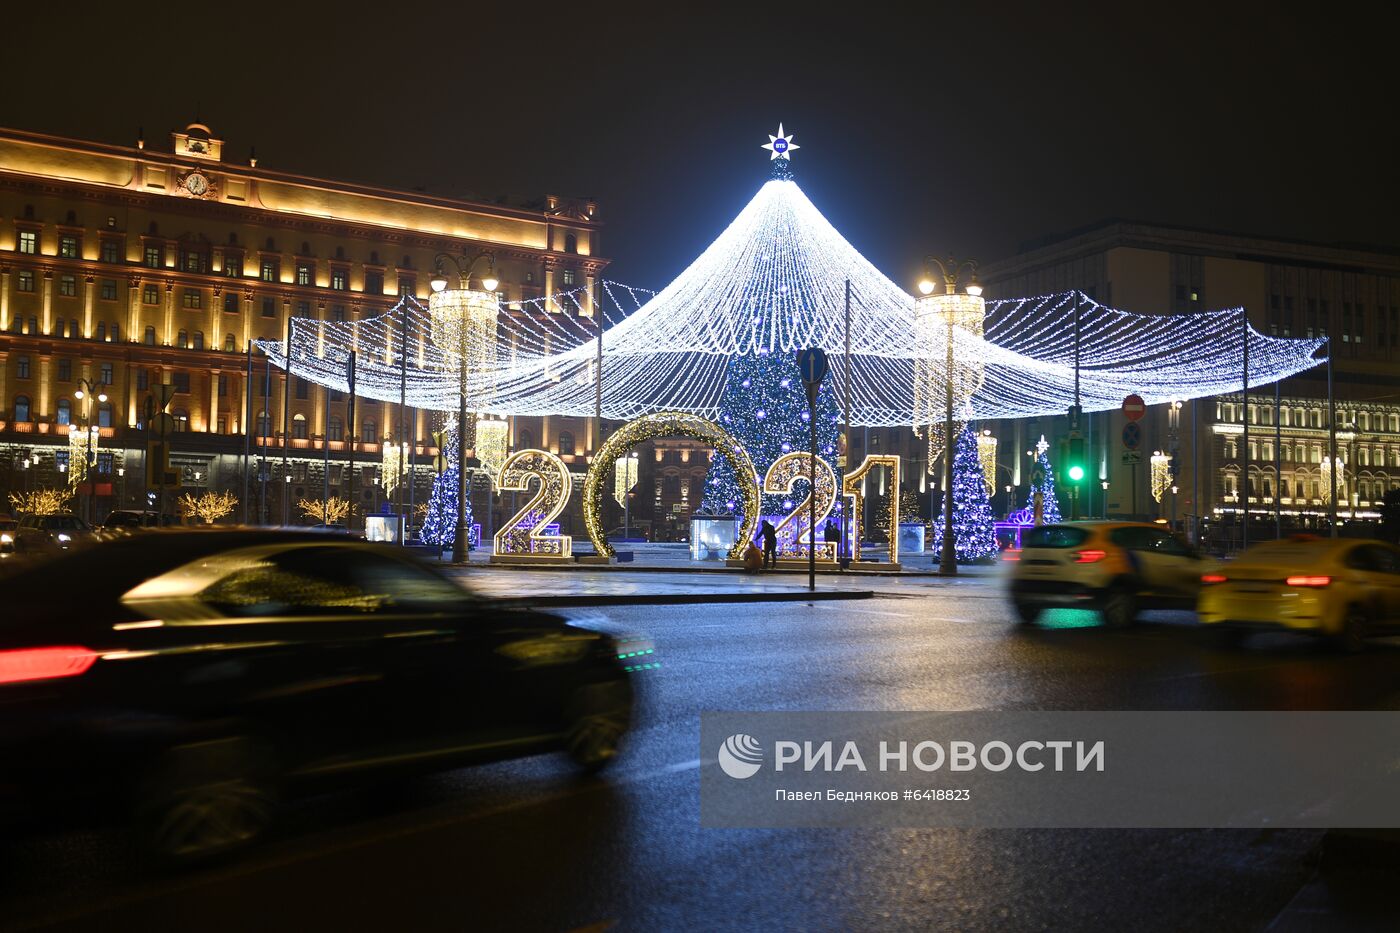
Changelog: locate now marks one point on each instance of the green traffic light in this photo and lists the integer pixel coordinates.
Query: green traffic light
(1076, 473)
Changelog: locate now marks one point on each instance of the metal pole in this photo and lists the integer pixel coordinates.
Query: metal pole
(812, 486)
(1331, 442)
(459, 540)
(846, 404)
(1244, 450)
(326, 455)
(1195, 475)
(265, 429)
(247, 427)
(947, 564)
(286, 423)
(403, 416)
(1278, 464)
(350, 451)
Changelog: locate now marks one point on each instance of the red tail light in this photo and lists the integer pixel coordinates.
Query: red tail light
(1213, 578)
(44, 663)
(1011, 553)
(1308, 581)
(1089, 557)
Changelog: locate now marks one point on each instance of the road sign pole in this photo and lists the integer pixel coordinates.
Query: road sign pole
(812, 364)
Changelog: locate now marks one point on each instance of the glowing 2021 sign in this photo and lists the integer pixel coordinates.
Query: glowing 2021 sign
(524, 536)
(851, 487)
(793, 531)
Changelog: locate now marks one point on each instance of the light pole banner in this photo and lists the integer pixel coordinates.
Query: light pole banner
(991, 769)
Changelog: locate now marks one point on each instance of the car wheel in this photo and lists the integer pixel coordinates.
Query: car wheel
(1026, 612)
(1118, 606)
(1352, 638)
(598, 717)
(207, 800)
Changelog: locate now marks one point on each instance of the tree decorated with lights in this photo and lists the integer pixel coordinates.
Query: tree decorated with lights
(764, 402)
(440, 523)
(1043, 481)
(972, 510)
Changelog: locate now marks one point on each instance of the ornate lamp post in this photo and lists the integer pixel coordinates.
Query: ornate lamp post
(464, 325)
(84, 393)
(933, 313)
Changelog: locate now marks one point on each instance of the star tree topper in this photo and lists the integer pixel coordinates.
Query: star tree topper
(781, 146)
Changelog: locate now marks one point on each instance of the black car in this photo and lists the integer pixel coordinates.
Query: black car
(191, 678)
(121, 520)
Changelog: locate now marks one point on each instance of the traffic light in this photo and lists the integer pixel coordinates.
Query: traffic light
(1076, 468)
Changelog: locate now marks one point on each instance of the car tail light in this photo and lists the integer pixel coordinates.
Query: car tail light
(1213, 578)
(44, 663)
(1089, 557)
(1303, 580)
(1011, 553)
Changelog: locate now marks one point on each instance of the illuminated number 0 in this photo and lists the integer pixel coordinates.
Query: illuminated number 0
(523, 535)
(781, 477)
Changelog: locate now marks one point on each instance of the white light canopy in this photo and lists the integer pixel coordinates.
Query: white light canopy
(774, 282)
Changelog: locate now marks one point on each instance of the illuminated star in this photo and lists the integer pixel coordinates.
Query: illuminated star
(781, 146)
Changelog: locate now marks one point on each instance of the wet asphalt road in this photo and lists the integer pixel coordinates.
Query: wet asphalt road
(530, 845)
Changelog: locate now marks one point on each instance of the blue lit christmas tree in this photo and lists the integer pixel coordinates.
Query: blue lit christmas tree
(1043, 481)
(972, 510)
(440, 525)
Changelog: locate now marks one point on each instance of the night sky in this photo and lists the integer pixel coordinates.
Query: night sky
(956, 132)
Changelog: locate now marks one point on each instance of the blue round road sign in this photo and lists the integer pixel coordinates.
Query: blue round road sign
(813, 365)
(1132, 435)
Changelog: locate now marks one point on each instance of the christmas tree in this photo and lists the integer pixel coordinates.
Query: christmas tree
(440, 524)
(975, 537)
(1043, 481)
(764, 405)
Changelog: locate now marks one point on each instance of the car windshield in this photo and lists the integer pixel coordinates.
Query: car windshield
(1054, 536)
(1290, 553)
(61, 523)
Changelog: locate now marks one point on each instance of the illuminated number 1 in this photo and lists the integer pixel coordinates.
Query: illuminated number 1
(851, 488)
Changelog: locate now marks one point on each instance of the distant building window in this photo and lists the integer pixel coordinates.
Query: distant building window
(269, 307)
(194, 261)
(150, 336)
(192, 298)
(101, 331)
(182, 339)
(228, 342)
(406, 285)
(106, 376)
(68, 246)
(65, 370)
(340, 280)
(303, 274)
(303, 309)
(222, 385)
(153, 257)
(369, 432)
(182, 419)
(67, 285)
(568, 276)
(571, 243)
(110, 251)
(21, 408)
(335, 430)
(303, 388)
(566, 443)
(109, 289)
(233, 264)
(22, 367)
(104, 420)
(197, 342)
(24, 281)
(65, 411)
(299, 426)
(374, 283)
(150, 295)
(231, 302)
(269, 270)
(143, 380)
(337, 312)
(28, 243)
(182, 382)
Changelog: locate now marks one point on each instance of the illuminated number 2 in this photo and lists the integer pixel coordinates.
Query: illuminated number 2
(851, 487)
(524, 535)
(781, 477)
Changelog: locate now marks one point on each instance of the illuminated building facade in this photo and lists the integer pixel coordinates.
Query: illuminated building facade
(131, 267)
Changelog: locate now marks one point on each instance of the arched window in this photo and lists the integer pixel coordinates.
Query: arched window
(524, 440)
(182, 419)
(571, 243)
(369, 432)
(182, 339)
(566, 443)
(264, 424)
(116, 333)
(65, 411)
(104, 415)
(21, 408)
(335, 430)
(150, 337)
(228, 342)
(101, 333)
(199, 340)
(299, 426)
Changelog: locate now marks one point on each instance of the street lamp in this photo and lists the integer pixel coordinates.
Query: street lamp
(84, 393)
(1104, 484)
(949, 309)
(464, 324)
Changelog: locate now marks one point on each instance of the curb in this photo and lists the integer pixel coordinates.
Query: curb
(683, 599)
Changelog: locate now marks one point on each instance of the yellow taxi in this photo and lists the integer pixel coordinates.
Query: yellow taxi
(1117, 568)
(1343, 588)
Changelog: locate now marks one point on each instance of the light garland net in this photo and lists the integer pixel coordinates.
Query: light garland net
(987, 454)
(491, 445)
(774, 281)
(1161, 476)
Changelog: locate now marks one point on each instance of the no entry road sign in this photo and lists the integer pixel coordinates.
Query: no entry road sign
(1134, 407)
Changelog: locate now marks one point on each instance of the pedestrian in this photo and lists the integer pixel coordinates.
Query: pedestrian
(770, 545)
(832, 533)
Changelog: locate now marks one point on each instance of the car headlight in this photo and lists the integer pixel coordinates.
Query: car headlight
(6, 538)
(548, 649)
(63, 537)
